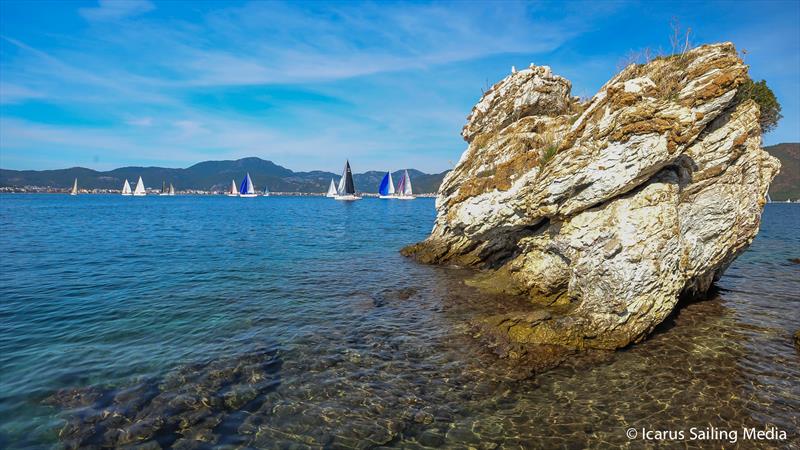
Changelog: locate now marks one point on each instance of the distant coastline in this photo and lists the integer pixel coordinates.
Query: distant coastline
(155, 192)
(204, 177)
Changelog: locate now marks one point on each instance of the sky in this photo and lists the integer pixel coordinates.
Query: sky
(389, 85)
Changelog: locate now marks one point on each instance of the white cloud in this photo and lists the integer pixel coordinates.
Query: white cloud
(110, 10)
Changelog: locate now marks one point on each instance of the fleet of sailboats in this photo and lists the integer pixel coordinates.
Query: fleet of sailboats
(139, 190)
(347, 189)
(404, 190)
(247, 189)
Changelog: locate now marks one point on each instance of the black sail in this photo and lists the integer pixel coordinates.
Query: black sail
(349, 187)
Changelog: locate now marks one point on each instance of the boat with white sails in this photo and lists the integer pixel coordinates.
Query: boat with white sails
(247, 189)
(386, 189)
(347, 189)
(266, 191)
(232, 191)
(139, 191)
(404, 191)
(74, 190)
(126, 188)
(171, 190)
(331, 190)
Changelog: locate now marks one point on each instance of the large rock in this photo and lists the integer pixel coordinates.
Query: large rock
(615, 208)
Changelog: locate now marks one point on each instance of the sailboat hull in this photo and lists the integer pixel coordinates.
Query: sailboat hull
(347, 198)
(405, 197)
(387, 197)
(248, 195)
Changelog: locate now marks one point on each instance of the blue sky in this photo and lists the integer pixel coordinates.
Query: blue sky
(115, 83)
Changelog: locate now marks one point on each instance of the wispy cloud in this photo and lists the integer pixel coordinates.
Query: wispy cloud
(304, 84)
(116, 9)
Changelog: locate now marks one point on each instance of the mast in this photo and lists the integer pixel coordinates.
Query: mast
(163, 187)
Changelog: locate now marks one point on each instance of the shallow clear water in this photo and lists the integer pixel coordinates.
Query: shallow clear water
(294, 322)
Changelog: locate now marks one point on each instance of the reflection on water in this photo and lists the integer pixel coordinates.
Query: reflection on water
(317, 349)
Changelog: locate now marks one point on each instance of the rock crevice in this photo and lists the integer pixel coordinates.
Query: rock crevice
(615, 207)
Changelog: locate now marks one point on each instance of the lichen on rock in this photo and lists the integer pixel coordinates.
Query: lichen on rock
(617, 207)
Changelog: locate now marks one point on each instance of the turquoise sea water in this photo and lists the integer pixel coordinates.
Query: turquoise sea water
(285, 321)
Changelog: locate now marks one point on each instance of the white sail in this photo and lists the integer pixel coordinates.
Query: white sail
(126, 188)
(74, 190)
(331, 189)
(139, 190)
(266, 191)
(233, 191)
(171, 189)
(340, 188)
(407, 185)
(391, 184)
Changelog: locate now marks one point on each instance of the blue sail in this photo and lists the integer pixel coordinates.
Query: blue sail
(247, 186)
(384, 189)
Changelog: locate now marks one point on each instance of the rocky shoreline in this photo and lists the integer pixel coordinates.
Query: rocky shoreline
(604, 212)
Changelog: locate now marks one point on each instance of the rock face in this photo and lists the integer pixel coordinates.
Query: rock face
(612, 209)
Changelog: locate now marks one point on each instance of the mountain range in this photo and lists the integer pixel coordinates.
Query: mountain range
(786, 184)
(211, 176)
(217, 176)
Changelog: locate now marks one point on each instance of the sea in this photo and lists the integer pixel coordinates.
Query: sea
(294, 322)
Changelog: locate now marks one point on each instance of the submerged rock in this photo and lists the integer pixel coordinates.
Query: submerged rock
(610, 209)
(181, 410)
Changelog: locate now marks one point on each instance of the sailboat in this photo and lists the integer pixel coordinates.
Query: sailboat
(139, 190)
(126, 188)
(347, 190)
(247, 189)
(386, 189)
(232, 192)
(74, 190)
(164, 190)
(171, 190)
(404, 191)
(331, 190)
(266, 191)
